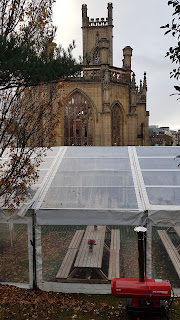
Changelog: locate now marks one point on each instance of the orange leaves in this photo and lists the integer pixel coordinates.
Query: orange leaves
(29, 117)
(18, 177)
(4, 300)
(18, 16)
(51, 305)
(103, 304)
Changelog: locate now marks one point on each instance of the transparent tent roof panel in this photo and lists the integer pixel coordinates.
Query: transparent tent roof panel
(87, 164)
(164, 196)
(96, 152)
(92, 178)
(46, 164)
(160, 169)
(90, 198)
(159, 163)
(158, 151)
(161, 178)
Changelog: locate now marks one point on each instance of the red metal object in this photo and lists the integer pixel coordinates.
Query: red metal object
(149, 289)
(144, 295)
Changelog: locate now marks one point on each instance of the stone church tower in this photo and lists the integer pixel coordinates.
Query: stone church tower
(105, 105)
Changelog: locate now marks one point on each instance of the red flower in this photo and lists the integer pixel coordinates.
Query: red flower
(91, 242)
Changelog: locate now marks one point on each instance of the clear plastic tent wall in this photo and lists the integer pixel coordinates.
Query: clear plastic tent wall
(110, 190)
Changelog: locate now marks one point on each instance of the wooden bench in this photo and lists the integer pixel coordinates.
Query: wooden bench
(70, 255)
(171, 250)
(114, 268)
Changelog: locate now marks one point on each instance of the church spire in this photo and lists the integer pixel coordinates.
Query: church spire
(145, 82)
(133, 81)
(140, 86)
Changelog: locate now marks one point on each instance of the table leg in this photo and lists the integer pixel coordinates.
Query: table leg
(106, 247)
(73, 273)
(88, 274)
(102, 275)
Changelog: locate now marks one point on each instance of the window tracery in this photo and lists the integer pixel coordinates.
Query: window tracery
(78, 122)
(117, 125)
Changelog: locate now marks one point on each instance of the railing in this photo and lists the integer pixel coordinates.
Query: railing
(88, 74)
(93, 73)
(118, 76)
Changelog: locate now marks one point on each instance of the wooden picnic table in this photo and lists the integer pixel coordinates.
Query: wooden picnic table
(80, 259)
(87, 259)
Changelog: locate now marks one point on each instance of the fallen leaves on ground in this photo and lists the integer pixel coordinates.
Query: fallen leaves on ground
(23, 304)
(17, 303)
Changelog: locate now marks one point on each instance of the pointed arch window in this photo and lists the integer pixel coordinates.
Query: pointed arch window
(78, 121)
(117, 125)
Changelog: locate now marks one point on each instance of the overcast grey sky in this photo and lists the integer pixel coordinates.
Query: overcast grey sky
(137, 24)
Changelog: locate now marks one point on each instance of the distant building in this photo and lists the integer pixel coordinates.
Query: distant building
(105, 106)
(163, 136)
(161, 139)
(165, 129)
(178, 138)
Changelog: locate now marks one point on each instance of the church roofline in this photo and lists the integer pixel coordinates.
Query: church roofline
(97, 22)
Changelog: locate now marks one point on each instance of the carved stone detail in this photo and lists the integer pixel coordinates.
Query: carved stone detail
(106, 79)
(78, 122)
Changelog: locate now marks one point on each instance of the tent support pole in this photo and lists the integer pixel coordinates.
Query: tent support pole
(34, 250)
(149, 251)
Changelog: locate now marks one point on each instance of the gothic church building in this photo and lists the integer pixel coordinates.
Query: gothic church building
(105, 106)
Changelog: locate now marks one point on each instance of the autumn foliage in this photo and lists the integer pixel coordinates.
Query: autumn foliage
(32, 67)
(173, 53)
(16, 303)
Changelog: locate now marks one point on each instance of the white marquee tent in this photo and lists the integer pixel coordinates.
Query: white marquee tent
(116, 186)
